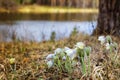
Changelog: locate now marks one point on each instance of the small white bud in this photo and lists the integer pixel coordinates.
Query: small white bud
(80, 45)
(107, 46)
(102, 39)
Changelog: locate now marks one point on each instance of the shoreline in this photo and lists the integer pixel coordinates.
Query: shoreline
(35, 9)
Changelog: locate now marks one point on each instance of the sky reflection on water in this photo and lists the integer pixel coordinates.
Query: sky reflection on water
(41, 30)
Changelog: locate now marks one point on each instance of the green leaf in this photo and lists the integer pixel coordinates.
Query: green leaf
(87, 50)
(109, 39)
(83, 66)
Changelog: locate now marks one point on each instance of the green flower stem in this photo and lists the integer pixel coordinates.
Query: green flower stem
(83, 66)
(115, 57)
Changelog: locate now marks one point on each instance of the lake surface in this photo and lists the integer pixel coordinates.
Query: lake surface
(39, 27)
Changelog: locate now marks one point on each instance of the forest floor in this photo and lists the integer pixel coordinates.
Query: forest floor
(47, 9)
(30, 62)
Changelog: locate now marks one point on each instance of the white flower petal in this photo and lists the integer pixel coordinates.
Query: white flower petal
(80, 45)
(71, 53)
(50, 63)
(102, 39)
(66, 48)
(58, 51)
(49, 57)
(107, 46)
(64, 58)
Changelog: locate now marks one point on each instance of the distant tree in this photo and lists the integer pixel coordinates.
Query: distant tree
(77, 3)
(19, 1)
(109, 17)
(94, 3)
(53, 2)
(7, 4)
(39, 2)
(69, 3)
(27, 1)
(61, 2)
(33, 1)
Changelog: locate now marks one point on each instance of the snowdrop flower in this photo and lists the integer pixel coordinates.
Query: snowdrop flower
(101, 39)
(107, 46)
(80, 45)
(50, 63)
(58, 51)
(64, 58)
(66, 48)
(71, 53)
(49, 57)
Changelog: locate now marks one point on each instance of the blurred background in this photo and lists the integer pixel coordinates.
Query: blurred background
(42, 20)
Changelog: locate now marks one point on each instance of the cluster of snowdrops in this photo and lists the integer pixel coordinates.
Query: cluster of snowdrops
(65, 59)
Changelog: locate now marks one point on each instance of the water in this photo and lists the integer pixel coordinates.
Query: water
(39, 27)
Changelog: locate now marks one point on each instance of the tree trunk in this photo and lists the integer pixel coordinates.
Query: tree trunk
(108, 18)
(53, 2)
(62, 2)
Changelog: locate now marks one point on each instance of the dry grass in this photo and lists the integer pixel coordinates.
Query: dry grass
(30, 61)
(47, 9)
